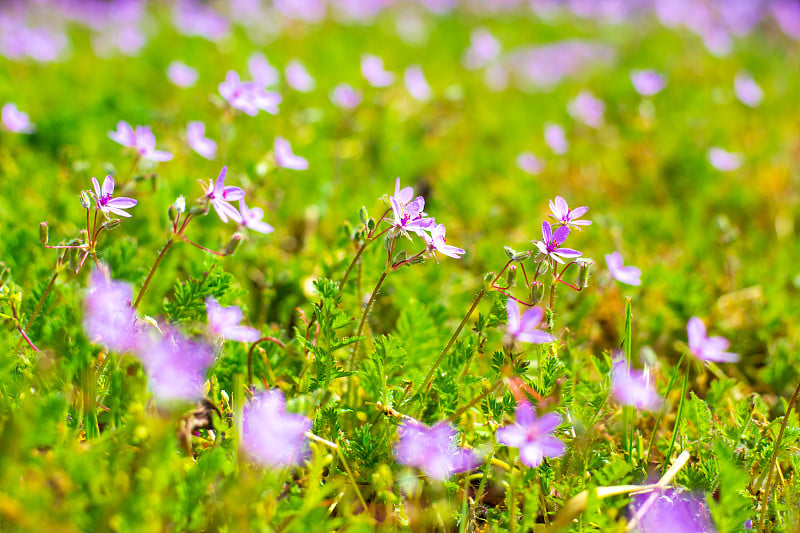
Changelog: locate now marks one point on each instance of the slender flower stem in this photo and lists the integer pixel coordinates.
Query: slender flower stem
(22, 331)
(214, 252)
(250, 358)
(41, 300)
(455, 416)
(680, 411)
(661, 412)
(152, 272)
(335, 446)
(438, 361)
(360, 251)
(773, 460)
(364, 314)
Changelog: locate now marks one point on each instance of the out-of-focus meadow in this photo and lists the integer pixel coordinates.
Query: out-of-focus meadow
(675, 122)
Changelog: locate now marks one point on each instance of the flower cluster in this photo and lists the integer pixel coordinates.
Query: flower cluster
(248, 97)
(219, 196)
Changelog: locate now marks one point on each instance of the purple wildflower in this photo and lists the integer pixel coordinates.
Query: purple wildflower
(408, 214)
(529, 163)
(196, 137)
(550, 245)
(270, 435)
(555, 138)
(252, 218)
(298, 77)
(624, 274)
(588, 109)
(219, 195)
(524, 327)
(140, 139)
(747, 90)
(15, 120)
(532, 435)
(345, 97)
(437, 243)
(225, 322)
(285, 158)
(176, 366)
(416, 84)
(433, 450)
(483, 49)
(566, 216)
(248, 97)
(181, 74)
(723, 160)
(109, 319)
(107, 204)
(261, 70)
(708, 348)
(670, 511)
(647, 82)
(633, 388)
(374, 72)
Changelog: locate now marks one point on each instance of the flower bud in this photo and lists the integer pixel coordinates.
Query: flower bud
(72, 256)
(371, 224)
(510, 252)
(511, 275)
(198, 210)
(44, 233)
(387, 243)
(488, 278)
(179, 204)
(584, 265)
(417, 259)
(537, 292)
(400, 257)
(173, 214)
(113, 223)
(348, 229)
(86, 199)
(519, 257)
(363, 215)
(234, 243)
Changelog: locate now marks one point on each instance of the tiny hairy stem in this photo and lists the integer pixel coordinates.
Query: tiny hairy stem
(250, 358)
(364, 314)
(214, 252)
(152, 272)
(22, 331)
(773, 460)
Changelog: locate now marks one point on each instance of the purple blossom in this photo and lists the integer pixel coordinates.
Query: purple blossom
(708, 348)
(252, 218)
(671, 511)
(108, 318)
(437, 243)
(416, 84)
(563, 214)
(787, 14)
(248, 97)
(176, 366)
(433, 450)
(308, 10)
(408, 214)
(270, 435)
(374, 72)
(224, 322)
(196, 137)
(262, 72)
(483, 48)
(181, 74)
(723, 160)
(524, 328)
(624, 274)
(545, 66)
(345, 97)
(529, 163)
(141, 140)
(298, 77)
(551, 242)
(747, 90)
(588, 109)
(107, 204)
(15, 120)
(532, 435)
(285, 158)
(633, 388)
(555, 138)
(192, 17)
(647, 82)
(219, 195)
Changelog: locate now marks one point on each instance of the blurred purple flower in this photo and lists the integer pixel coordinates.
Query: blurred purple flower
(107, 204)
(551, 242)
(345, 97)
(438, 243)
(708, 348)
(723, 160)
(270, 435)
(197, 140)
(433, 450)
(671, 511)
(181, 74)
(647, 82)
(532, 435)
(298, 77)
(544, 66)
(555, 138)
(262, 72)
(374, 72)
(285, 158)
(108, 318)
(224, 322)
(407, 212)
(416, 84)
(483, 49)
(176, 366)
(141, 140)
(529, 163)
(219, 195)
(588, 109)
(308, 10)
(633, 388)
(15, 120)
(252, 218)
(192, 17)
(248, 96)
(747, 90)
(524, 328)
(566, 216)
(787, 14)
(624, 274)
